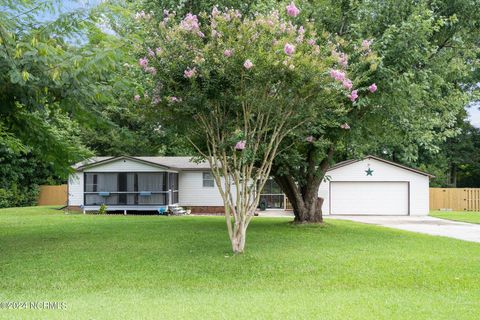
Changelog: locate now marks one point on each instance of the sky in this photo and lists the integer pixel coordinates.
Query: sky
(67, 6)
(474, 115)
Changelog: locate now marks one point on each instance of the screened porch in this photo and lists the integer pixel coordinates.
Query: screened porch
(131, 189)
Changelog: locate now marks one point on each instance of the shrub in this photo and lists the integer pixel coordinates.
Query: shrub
(103, 209)
(16, 196)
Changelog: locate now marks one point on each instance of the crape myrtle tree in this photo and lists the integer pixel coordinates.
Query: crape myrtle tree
(235, 87)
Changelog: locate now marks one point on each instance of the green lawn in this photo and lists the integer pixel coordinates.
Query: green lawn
(153, 267)
(466, 216)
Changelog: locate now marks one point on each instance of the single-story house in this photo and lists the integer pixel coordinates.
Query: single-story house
(370, 186)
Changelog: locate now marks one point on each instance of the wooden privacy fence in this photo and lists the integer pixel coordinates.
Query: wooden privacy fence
(457, 199)
(53, 195)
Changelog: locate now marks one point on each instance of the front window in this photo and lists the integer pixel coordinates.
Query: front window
(272, 196)
(208, 180)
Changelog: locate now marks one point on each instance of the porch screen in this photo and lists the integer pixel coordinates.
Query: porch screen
(126, 188)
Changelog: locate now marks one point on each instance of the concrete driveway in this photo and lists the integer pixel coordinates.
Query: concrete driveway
(425, 224)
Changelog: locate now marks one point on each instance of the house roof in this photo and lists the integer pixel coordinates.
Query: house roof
(347, 162)
(179, 163)
(187, 163)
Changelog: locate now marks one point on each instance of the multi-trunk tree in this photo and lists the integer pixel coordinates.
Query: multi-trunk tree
(236, 87)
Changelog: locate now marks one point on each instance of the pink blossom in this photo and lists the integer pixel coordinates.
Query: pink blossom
(347, 84)
(240, 145)
(139, 15)
(227, 53)
(311, 42)
(372, 88)
(136, 97)
(143, 62)
(200, 34)
(343, 59)
(215, 11)
(337, 75)
(366, 44)
(248, 64)
(353, 96)
(156, 100)
(151, 70)
(310, 139)
(143, 15)
(158, 51)
(189, 73)
(345, 126)
(292, 10)
(301, 34)
(151, 53)
(190, 23)
(175, 99)
(289, 49)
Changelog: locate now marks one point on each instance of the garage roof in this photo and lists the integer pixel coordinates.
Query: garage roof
(347, 162)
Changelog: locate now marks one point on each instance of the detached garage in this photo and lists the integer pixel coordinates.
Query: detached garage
(374, 186)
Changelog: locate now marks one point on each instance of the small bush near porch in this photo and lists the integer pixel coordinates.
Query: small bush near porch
(152, 267)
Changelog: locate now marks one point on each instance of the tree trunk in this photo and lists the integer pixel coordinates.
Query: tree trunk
(307, 206)
(453, 175)
(310, 213)
(238, 241)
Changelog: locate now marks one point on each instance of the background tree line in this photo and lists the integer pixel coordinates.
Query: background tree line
(67, 87)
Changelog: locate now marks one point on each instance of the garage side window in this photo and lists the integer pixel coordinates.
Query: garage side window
(208, 180)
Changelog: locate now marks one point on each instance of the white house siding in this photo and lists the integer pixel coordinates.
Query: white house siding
(75, 189)
(418, 183)
(193, 193)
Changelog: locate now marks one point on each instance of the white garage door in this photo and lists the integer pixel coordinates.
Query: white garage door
(369, 198)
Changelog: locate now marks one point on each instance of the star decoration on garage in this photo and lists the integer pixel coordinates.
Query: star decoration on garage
(369, 172)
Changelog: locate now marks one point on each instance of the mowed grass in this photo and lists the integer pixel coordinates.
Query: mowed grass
(465, 216)
(153, 267)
